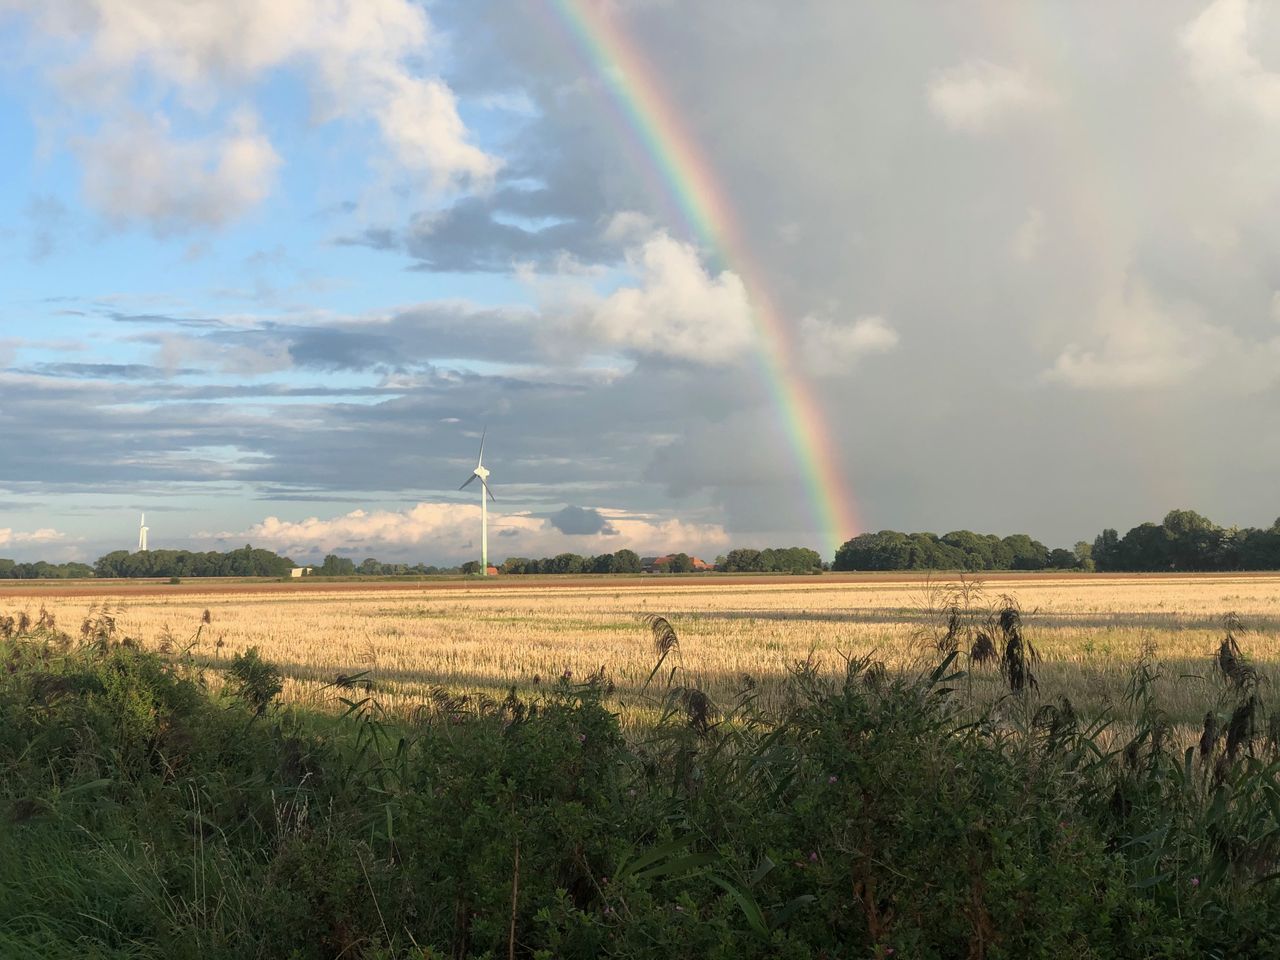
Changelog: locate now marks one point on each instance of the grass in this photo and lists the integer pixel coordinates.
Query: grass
(865, 812)
(1088, 631)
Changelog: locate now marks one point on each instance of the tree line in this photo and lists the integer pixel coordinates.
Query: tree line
(958, 550)
(336, 566)
(622, 561)
(245, 562)
(42, 570)
(1185, 540)
(770, 560)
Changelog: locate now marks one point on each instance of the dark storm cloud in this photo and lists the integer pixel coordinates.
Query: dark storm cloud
(581, 521)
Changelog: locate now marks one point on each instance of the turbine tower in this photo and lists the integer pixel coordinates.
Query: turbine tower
(485, 496)
(142, 534)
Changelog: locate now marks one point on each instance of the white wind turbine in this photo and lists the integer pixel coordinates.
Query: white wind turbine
(142, 534)
(485, 496)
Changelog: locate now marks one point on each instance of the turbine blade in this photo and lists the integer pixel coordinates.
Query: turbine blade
(470, 479)
(480, 459)
(488, 491)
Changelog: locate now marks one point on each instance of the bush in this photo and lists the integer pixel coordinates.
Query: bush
(864, 817)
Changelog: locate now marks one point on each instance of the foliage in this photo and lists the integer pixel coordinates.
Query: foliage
(245, 562)
(866, 816)
(42, 570)
(1187, 541)
(959, 550)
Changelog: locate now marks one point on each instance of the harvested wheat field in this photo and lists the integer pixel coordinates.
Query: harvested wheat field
(1089, 631)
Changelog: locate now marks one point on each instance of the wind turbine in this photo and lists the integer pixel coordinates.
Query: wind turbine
(142, 534)
(485, 496)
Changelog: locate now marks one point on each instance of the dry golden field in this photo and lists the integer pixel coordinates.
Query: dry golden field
(474, 638)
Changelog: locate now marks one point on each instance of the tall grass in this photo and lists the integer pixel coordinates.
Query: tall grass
(864, 812)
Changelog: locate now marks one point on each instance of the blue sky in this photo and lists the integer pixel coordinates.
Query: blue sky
(268, 270)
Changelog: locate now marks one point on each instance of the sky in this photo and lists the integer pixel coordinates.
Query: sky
(268, 270)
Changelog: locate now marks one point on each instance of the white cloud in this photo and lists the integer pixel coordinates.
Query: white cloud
(362, 58)
(832, 347)
(977, 94)
(1217, 46)
(452, 531)
(673, 307)
(1147, 345)
(134, 170)
(43, 535)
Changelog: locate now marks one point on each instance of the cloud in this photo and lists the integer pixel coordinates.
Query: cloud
(135, 171)
(832, 347)
(1217, 47)
(674, 307)
(450, 531)
(363, 59)
(579, 521)
(44, 535)
(1145, 345)
(977, 94)
(1029, 237)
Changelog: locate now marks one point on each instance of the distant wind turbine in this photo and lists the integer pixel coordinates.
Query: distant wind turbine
(142, 534)
(485, 496)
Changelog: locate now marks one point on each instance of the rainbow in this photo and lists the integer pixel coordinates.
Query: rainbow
(692, 184)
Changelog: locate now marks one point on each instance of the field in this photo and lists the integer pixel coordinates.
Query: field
(149, 810)
(480, 638)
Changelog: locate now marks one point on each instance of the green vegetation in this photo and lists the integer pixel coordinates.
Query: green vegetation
(147, 816)
(1188, 541)
(960, 550)
(623, 561)
(41, 570)
(771, 560)
(246, 562)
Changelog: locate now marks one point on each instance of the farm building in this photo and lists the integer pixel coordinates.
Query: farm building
(660, 564)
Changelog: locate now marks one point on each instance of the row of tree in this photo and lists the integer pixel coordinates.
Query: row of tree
(770, 560)
(1185, 540)
(335, 566)
(623, 561)
(42, 570)
(959, 550)
(245, 562)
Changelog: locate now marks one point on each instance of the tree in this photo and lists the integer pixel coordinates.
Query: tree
(679, 563)
(1106, 550)
(743, 560)
(1028, 554)
(335, 566)
(471, 568)
(1061, 559)
(626, 561)
(566, 563)
(1145, 547)
(886, 550)
(1194, 542)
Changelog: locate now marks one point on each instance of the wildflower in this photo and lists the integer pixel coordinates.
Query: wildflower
(832, 779)
(567, 674)
(680, 908)
(582, 738)
(1195, 881)
(631, 792)
(813, 856)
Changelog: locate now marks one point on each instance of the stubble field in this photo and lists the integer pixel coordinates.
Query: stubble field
(481, 639)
